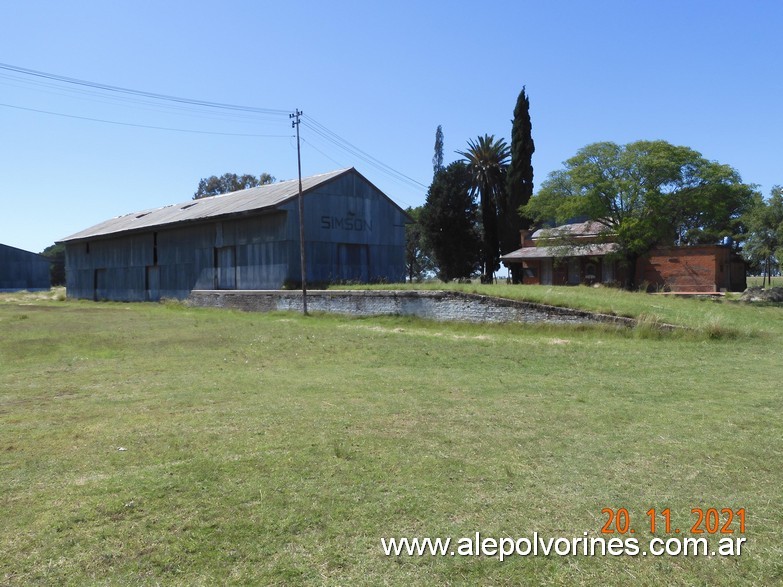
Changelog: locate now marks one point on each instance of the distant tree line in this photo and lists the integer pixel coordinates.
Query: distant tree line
(229, 182)
(763, 246)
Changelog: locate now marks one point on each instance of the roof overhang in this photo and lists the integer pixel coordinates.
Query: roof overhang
(586, 250)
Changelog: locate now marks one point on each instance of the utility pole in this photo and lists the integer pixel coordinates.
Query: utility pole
(295, 124)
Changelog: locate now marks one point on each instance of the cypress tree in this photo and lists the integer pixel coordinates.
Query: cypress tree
(519, 181)
(437, 159)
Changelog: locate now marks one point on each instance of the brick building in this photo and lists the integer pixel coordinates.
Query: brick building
(583, 253)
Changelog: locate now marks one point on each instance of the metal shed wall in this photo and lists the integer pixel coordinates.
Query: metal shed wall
(171, 262)
(21, 269)
(353, 232)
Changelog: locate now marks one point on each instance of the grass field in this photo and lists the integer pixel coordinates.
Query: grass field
(145, 444)
(776, 281)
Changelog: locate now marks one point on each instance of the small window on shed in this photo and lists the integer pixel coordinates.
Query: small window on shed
(87, 248)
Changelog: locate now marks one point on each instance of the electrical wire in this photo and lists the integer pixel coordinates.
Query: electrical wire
(343, 144)
(203, 132)
(92, 90)
(120, 90)
(312, 146)
(139, 103)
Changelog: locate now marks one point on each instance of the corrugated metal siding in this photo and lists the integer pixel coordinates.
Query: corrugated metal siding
(350, 211)
(352, 230)
(21, 269)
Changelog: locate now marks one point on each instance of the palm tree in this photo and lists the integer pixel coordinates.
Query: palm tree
(487, 161)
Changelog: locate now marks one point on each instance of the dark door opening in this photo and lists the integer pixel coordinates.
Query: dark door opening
(225, 268)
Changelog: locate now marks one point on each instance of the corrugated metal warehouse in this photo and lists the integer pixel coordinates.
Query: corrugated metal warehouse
(23, 270)
(243, 240)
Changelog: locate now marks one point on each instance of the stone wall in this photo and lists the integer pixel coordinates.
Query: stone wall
(433, 305)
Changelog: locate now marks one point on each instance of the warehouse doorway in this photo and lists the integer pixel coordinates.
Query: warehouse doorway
(225, 268)
(152, 283)
(353, 262)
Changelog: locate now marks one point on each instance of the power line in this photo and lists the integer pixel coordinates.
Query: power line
(342, 143)
(120, 90)
(341, 164)
(203, 132)
(147, 104)
(312, 146)
(127, 95)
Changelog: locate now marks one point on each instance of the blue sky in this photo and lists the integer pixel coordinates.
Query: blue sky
(382, 76)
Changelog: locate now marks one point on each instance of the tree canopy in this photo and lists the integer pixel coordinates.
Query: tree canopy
(449, 221)
(56, 255)
(229, 182)
(764, 243)
(487, 161)
(418, 257)
(646, 193)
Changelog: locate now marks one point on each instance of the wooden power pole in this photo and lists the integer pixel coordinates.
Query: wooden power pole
(295, 124)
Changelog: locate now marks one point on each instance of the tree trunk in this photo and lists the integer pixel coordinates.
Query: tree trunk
(769, 276)
(630, 276)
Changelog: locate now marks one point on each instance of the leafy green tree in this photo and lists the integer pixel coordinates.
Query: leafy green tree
(519, 182)
(418, 257)
(437, 158)
(229, 182)
(487, 161)
(449, 221)
(763, 245)
(646, 193)
(56, 255)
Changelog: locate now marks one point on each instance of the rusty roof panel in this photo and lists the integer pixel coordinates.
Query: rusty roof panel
(586, 250)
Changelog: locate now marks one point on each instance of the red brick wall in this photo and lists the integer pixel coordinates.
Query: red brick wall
(697, 268)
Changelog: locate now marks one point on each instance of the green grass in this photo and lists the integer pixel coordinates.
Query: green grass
(276, 449)
(701, 314)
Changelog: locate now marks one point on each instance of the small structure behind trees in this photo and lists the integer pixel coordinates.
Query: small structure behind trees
(646, 194)
(586, 253)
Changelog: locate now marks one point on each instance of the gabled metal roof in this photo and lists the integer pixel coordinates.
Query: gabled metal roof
(585, 250)
(264, 197)
(579, 241)
(589, 229)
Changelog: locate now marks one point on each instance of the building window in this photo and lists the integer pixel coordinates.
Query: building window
(591, 273)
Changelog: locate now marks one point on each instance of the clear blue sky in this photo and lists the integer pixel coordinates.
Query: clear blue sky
(705, 74)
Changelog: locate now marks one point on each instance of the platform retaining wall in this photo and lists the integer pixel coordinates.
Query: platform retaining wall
(433, 305)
